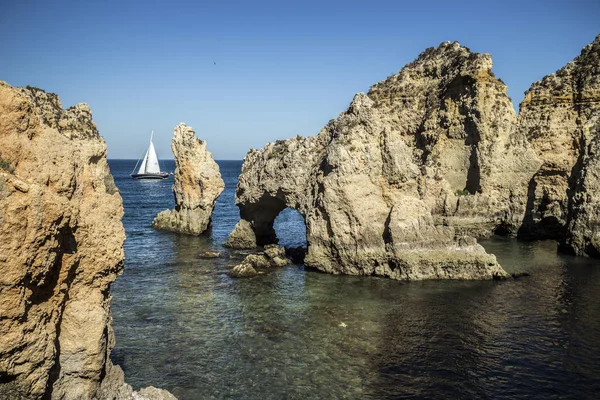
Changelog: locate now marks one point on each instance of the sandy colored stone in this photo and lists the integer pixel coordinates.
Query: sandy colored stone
(552, 116)
(583, 233)
(61, 248)
(257, 263)
(391, 186)
(257, 260)
(242, 236)
(197, 185)
(243, 270)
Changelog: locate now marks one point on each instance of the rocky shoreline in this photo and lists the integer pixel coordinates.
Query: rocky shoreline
(401, 185)
(61, 248)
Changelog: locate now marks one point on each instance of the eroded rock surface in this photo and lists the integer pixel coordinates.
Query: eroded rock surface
(394, 184)
(583, 233)
(197, 185)
(450, 115)
(61, 246)
(552, 117)
(272, 256)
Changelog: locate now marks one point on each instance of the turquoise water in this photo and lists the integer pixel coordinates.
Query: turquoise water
(183, 324)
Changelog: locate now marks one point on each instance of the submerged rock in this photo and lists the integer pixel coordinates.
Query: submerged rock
(243, 270)
(517, 275)
(393, 184)
(552, 117)
(210, 254)
(61, 248)
(197, 185)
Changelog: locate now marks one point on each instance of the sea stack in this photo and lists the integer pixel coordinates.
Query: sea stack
(61, 248)
(399, 183)
(197, 185)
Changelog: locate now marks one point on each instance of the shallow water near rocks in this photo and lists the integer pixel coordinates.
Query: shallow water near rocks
(183, 324)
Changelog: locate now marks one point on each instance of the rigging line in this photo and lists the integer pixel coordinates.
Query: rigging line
(136, 164)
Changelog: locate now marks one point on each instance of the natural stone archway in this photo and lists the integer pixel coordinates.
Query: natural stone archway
(274, 179)
(290, 228)
(263, 214)
(444, 132)
(394, 184)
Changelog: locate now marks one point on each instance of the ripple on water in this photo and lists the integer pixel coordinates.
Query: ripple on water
(183, 324)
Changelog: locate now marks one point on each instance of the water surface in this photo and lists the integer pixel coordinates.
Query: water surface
(183, 324)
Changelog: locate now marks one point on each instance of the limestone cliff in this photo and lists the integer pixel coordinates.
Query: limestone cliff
(552, 116)
(61, 241)
(583, 235)
(459, 124)
(197, 185)
(392, 185)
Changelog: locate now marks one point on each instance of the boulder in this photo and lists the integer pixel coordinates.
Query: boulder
(243, 270)
(273, 256)
(210, 254)
(242, 236)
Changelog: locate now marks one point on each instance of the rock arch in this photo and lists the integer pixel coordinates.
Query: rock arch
(396, 185)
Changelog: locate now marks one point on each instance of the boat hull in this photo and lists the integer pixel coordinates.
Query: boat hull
(161, 175)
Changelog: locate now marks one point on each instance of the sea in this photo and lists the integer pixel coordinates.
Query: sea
(182, 324)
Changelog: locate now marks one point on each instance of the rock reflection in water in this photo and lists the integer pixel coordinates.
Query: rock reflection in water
(183, 324)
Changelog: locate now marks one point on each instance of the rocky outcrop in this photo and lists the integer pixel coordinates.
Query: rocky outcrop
(61, 247)
(583, 233)
(272, 256)
(552, 117)
(242, 236)
(197, 185)
(395, 184)
(449, 113)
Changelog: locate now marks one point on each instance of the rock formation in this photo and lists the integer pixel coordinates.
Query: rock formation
(394, 184)
(552, 116)
(61, 247)
(459, 126)
(583, 233)
(197, 185)
(273, 256)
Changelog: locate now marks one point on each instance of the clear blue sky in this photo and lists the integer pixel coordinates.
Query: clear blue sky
(281, 69)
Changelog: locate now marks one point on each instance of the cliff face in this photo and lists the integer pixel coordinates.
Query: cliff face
(454, 115)
(61, 247)
(392, 185)
(552, 117)
(197, 185)
(583, 235)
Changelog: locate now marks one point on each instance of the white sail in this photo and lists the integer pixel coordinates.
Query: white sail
(151, 161)
(142, 169)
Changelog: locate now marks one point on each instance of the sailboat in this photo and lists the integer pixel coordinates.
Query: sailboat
(149, 168)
